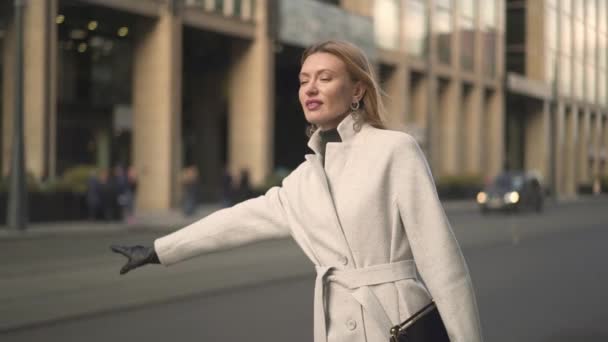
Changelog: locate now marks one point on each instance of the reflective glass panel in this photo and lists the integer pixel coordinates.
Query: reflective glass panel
(489, 52)
(591, 45)
(415, 28)
(467, 43)
(566, 34)
(551, 28)
(443, 31)
(467, 8)
(564, 70)
(590, 88)
(601, 15)
(578, 76)
(566, 5)
(550, 67)
(386, 23)
(579, 39)
(601, 49)
(591, 17)
(488, 13)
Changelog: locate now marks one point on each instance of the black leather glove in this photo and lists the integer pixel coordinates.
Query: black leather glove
(137, 255)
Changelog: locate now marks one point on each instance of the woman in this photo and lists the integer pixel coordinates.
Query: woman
(363, 208)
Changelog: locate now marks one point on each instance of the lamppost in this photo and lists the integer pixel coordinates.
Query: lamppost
(17, 202)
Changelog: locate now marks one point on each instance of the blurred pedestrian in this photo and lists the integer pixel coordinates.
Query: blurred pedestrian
(244, 190)
(190, 189)
(129, 195)
(363, 207)
(93, 196)
(227, 188)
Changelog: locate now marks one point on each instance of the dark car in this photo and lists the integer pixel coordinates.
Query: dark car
(513, 191)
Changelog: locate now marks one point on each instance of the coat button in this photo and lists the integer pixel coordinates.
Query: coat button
(351, 324)
(344, 260)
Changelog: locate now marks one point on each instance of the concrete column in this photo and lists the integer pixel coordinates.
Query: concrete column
(537, 130)
(582, 159)
(605, 146)
(448, 121)
(40, 107)
(495, 136)
(40, 76)
(396, 87)
(250, 103)
(8, 95)
(471, 134)
(596, 131)
(157, 95)
(571, 147)
(560, 148)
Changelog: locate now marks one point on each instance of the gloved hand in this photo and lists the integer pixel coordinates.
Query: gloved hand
(137, 255)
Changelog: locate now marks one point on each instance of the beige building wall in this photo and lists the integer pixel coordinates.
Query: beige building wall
(39, 65)
(40, 76)
(495, 133)
(396, 87)
(572, 141)
(583, 147)
(472, 109)
(157, 110)
(537, 149)
(8, 95)
(448, 123)
(251, 106)
(561, 151)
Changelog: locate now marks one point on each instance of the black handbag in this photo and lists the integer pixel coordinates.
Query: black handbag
(423, 326)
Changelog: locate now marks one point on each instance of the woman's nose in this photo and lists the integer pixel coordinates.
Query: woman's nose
(311, 89)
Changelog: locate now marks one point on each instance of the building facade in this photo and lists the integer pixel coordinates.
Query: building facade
(557, 94)
(162, 84)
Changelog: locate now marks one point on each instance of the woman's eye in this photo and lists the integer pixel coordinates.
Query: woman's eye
(303, 82)
(325, 79)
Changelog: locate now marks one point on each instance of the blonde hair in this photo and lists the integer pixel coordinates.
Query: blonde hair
(359, 68)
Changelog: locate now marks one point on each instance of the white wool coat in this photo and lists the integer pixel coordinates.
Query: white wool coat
(368, 220)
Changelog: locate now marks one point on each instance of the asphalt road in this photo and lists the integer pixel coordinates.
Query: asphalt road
(537, 278)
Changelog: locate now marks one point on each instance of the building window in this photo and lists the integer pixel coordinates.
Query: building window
(443, 31)
(415, 26)
(467, 34)
(489, 26)
(386, 23)
(551, 44)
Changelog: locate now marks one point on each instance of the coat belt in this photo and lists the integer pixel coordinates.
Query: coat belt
(358, 281)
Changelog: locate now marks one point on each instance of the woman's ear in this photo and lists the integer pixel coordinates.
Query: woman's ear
(359, 91)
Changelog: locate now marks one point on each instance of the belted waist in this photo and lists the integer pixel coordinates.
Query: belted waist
(358, 280)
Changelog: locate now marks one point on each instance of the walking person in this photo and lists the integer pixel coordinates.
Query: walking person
(363, 207)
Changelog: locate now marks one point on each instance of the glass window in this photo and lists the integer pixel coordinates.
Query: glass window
(415, 26)
(550, 67)
(443, 31)
(601, 87)
(601, 49)
(488, 13)
(565, 81)
(579, 9)
(467, 43)
(386, 23)
(590, 88)
(551, 29)
(467, 8)
(579, 72)
(591, 12)
(579, 39)
(489, 53)
(601, 18)
(567, 5)
(566, 34)
(591, 44)
(447, 4)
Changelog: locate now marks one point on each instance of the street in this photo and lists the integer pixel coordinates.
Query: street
(537, 278)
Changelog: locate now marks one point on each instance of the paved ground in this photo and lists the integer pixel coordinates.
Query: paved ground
(64, 286)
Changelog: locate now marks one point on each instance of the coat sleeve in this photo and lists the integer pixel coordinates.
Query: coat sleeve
(436, 252)
(259, 218)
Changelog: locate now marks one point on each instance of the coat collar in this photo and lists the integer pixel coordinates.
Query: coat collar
(346, 130)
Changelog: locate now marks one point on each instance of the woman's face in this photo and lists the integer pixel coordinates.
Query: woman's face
(326, 90)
